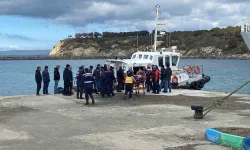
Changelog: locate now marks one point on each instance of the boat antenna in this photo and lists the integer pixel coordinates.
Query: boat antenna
(137, 42)
(156, 21)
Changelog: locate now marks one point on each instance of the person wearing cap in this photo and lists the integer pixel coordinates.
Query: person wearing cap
(56, 78)
(129, 81)
(87, 81)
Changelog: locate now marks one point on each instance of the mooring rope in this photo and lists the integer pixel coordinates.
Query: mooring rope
(220, 101)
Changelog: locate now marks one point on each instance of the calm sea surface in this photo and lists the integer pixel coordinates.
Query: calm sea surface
(17, 77)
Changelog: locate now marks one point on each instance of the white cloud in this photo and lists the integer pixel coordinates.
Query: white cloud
(127, 15)
(13, 47)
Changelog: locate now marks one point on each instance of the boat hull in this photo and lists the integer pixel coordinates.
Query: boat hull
(246, 37)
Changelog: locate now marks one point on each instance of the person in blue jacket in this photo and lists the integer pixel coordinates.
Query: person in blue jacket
(87, 81)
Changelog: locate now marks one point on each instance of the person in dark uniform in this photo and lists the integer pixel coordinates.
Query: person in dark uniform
(149, 79)
(110, 82)
(46, 80)
(67, 77)
(97, 75)
(168, 78)
(156, 76)
(39, 79)
(120, 79)
(91, 69)
(71, 80)
(113, 80)
(87, 81)
(103, 81)
(56, 78)
(79, 85)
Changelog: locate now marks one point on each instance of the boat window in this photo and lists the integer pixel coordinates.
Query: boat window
(145, 57)
(160, 61)
(167, 60)
(174, 60)
(140, 56)
(133, 57)
(151, 57)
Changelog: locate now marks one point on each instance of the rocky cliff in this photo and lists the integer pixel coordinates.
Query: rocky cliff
(216, 42)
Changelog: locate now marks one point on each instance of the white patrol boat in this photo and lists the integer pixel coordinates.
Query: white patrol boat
(189, 77)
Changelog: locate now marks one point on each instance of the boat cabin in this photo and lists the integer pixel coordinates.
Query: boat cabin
(139, 60)
(156, 58)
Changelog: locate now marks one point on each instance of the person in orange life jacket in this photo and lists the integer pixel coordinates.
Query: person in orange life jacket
(87, 81)
(79, 76)
(149, 79)
(129, 81)
(120, 79)
(156, 75)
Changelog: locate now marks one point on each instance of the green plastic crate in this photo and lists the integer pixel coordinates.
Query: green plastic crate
(231, 141)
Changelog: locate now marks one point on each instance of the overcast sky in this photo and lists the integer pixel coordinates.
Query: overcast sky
(40, 24)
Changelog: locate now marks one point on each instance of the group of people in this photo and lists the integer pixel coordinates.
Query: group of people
(102, 80)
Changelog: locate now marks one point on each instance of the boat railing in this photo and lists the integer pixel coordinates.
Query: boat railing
(245, 25)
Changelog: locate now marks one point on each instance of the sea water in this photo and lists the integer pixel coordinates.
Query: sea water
(17, 77)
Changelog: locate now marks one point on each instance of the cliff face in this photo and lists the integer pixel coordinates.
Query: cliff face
(213, 43)
(117, 46)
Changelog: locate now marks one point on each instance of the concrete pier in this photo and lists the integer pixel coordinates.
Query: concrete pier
(150, 122)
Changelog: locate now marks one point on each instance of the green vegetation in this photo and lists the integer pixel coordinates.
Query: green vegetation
(200, 44)
(228, 39)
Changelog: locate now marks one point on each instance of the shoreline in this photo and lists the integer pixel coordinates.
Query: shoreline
(238, 57)
(166, 122)
(175, 92)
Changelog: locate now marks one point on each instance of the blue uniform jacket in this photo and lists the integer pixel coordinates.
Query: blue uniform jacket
(87, 80)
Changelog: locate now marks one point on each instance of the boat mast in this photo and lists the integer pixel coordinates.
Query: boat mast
(137, 42)
(156, 21)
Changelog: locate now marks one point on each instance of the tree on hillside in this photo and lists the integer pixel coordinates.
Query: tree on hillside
(232, 43)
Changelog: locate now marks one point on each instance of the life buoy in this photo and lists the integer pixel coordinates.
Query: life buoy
(197, 70)
(174, 79)
(190, 69)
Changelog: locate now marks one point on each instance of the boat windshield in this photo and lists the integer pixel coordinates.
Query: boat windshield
(133, 57)
(145, 57)
(174, 60)
(140, 56)
(151, 57)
